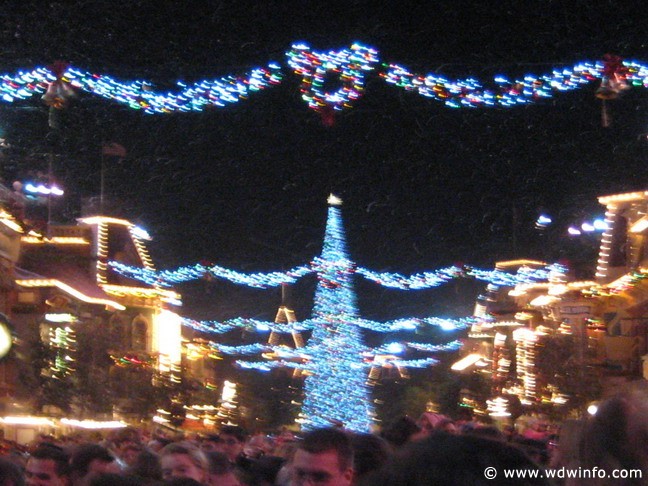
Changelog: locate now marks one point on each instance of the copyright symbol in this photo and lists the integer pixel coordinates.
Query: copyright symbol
(490, 473)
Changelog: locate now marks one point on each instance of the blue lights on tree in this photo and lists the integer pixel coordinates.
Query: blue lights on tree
(335, 360)
(337, 388)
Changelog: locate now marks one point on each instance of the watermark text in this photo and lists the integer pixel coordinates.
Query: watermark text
(563, 473)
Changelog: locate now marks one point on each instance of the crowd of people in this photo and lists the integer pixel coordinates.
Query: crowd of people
(433, 450)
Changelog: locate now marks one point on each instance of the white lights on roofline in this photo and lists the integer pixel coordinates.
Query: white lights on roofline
(599, 224)
(617, 198)
(9, 221)
(46, 282)
(94, 424)
(172, 301)
(639, 226)
(104, 220)
(587, 227)
(60, 317)
(26, 420)
(167, 296)
(518, 263)
(56, 240)
(465, 362)
(43, 189)
(141, 233)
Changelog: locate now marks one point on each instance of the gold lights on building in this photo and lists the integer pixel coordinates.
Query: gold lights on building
(45, 282)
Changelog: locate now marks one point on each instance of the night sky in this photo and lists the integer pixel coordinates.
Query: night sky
(423, 185)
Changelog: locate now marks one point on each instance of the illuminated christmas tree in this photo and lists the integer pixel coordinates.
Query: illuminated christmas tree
(335, 360)
(336, 389)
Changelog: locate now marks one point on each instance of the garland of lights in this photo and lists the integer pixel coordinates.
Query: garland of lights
(139, 95)
(268, 365)
(418, 281)
(407, 324)
(348, 65)
(507, 93)
(525, 275)
(347, 68)
(214, 327)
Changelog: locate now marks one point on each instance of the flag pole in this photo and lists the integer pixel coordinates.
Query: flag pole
(50, 177)
(101, 188)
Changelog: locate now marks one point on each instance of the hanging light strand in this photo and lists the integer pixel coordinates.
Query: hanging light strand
(331, 81)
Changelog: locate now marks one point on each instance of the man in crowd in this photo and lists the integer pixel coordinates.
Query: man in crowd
(90, 460)
(324, 457)
(211, 443)
(48, 465)
(232, 440)
(126, 445)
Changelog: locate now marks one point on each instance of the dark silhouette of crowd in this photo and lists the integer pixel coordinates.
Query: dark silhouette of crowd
(432, 450)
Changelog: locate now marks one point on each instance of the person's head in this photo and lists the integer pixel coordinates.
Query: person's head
(146, 466)
(258, 445)
(616, 437)
(449, 459)
(211, 443)
(47, 466)
(219, 466)
(370, 452)
(324, 457)
(124, 439)
(129, 453)
(10, 474)
(89, 460)
(264, 471)
(158, 443)
(400, 431)
(232, 440)
(183, 460)
(430, 422)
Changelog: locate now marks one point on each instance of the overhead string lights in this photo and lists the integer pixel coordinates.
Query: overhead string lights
(395, 325)
(200, 271)
(139, 94)
(260, 280)
(330, 82)
(524, 275)
(471, 93)
(198, 96)
(253, 325)
(417, 281)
